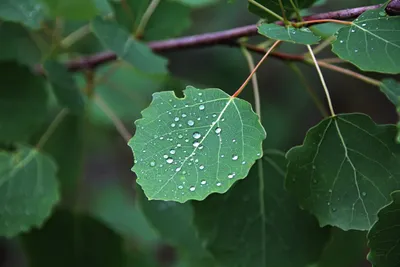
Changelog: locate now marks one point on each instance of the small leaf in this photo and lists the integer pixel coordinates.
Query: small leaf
(17, 44)
(64, 87)
(391, 88)
(27, 12)
(275, 7)
(234, 230)
(371, 42)
(71, 9)
(73, 239)
(384, 236)
(345, 170)
(174, 222)
(23, 102)
(289, 34)
(120, 41)
(28, 190)
(191, 147)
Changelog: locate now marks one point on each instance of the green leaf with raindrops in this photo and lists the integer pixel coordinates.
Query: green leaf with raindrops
(345, 170)
(391, 88)
(187, 148)
(384, 236)
(28, 189)
(288, 34)
(371, 42)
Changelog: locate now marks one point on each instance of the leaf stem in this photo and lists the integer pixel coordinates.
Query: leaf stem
(283, 12)
(75, 36)
(146, 17)
(349, 73)
(52, 127)
(266, 10)
(296, 10)
(119, 125)
(309, 89)
(255, 69)
(322, 81)
(256, 90)
(319, 21)
(260, 169)
(323, 45)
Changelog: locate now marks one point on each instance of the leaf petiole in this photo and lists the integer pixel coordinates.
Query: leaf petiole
(266, 10)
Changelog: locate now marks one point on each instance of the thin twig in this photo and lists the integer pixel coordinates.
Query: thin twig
(146, 17)
(272, 13)
(119, 125)
(207, 39)
(328, 97)
(52, 127)
(255, 69)
(75, 36)
(327, 42)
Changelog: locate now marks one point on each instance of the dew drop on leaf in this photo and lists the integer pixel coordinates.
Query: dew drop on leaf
(231, 175)
(172, 151)
(218, 130)
(176, 119)
(152, 164)
(192, 188)
(203, 182)
(196, 143)
(201, 107)
(170, 160)
(235, 157)
(196, 135)
(190, 122)
(219, 184)
(201, 167)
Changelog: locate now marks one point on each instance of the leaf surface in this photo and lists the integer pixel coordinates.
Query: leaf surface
(28, 190)
(391, 88)
(243, 228)
(371, 42)
(384, 236)
(345, 170)
(288, 34)
(131, 50)
(27, 12)
(191, 147)
(64, 87)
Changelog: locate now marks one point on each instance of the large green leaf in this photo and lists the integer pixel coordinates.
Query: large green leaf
(371, 42)
(174, 222)
(17, 44)
(125, 46)
(391, 88)
(174, 18)
(23, 102)
(345, 170)
(124, 90)
(78, 240)
(71, 9)
(274, 6)
(191, 147)
(28, 190)
(384, 236)
(345, 249)
(64, 87)
(244, 228)
(27, 12)
(288, 34)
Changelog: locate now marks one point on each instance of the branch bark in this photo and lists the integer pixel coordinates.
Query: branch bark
(227, 37)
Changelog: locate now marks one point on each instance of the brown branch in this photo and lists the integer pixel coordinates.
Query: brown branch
(227, 37)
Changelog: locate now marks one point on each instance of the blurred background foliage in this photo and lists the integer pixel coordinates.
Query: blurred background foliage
(104, 219)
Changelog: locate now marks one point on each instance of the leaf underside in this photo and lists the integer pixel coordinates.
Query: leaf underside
(345, 170)
(191, 147)
(288, 34)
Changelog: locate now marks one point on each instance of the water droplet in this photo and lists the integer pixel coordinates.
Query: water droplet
(183, 115)
(176, 119)
(201, 107)
(165, 156)
(243, 162)
(190, 122)
(235, 157)
(314, 181)
(170, 160)
(353, 30)
(178, 169)
(329, 203)
(152, 164)
(382, 13)
(180, 136)
(230, 176)
(330, 190)
(222, 155)
(172, 125)
(214, 115)
(218, 130)
(219, 184)
(203, 182)
(192, 188)
(200, 94)
(180, 187)
(364, 194)
(196, 135)
(334, 209)
(196, 143)
(172, 151)
(201, 167)
(341, 41)
(364, 24)
(234, 140)
(161, 138)
(356, 50)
